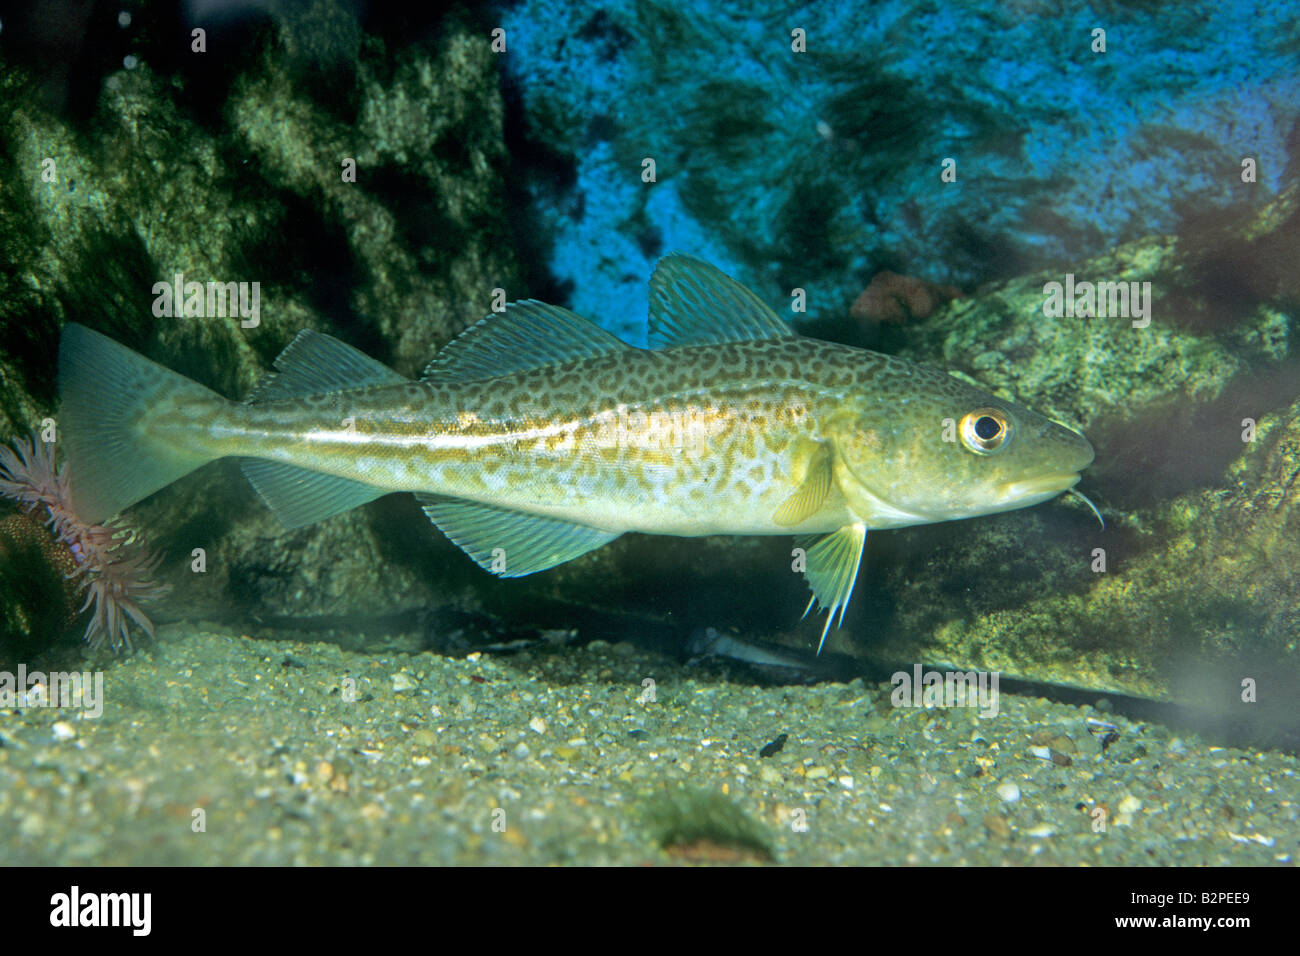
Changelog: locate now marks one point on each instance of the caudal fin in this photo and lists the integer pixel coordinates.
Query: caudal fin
(109, 395)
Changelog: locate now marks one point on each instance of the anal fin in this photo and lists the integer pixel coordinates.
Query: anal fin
(832, 568)
(301, 497)
(511, 543)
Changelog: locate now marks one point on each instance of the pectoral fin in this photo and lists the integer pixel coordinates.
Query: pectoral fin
(810, 497)
(831, 570)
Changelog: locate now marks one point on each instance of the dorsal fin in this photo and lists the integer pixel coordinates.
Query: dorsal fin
(694, 303)
(315, 364)
(529, 334)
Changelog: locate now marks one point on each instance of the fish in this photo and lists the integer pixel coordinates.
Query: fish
(771, 663)
(710, 642)
(536, 436)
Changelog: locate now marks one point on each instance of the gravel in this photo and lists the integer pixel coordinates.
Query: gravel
(215, 748)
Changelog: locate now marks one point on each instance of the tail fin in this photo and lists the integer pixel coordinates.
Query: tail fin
(108, 393)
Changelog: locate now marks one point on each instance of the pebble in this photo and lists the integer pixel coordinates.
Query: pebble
(403, 682)
(875, 725)
(1052, 754)
(997, 825)
(397, 780)
(1130, 804)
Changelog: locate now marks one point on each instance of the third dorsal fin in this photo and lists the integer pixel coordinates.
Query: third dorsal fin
(694, 303)
(315, 363)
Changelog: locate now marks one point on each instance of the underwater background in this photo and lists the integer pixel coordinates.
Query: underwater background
(358, 691)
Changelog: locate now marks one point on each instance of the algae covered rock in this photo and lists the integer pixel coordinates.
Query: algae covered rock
(806, 146)
(1194, 417)
(351, 184)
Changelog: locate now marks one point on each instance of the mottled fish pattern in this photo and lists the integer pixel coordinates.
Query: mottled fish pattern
(536, 436)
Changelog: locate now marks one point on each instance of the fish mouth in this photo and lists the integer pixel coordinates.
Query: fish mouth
(1039, 488)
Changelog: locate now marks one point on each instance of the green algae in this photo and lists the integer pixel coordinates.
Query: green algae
(151, 185)
(700, 823)
(1201, 546)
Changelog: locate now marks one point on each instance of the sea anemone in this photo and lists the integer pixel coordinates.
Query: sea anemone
(111, 563)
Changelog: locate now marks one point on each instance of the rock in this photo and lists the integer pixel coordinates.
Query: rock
(404, 683)
(997, 825)
(1202, 526)
(396, 263)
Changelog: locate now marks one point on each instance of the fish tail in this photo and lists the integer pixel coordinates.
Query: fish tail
(110, 395)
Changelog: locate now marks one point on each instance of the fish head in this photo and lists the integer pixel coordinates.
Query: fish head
(929, 447)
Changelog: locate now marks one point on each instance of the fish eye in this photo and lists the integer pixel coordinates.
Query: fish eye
(985, 430)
